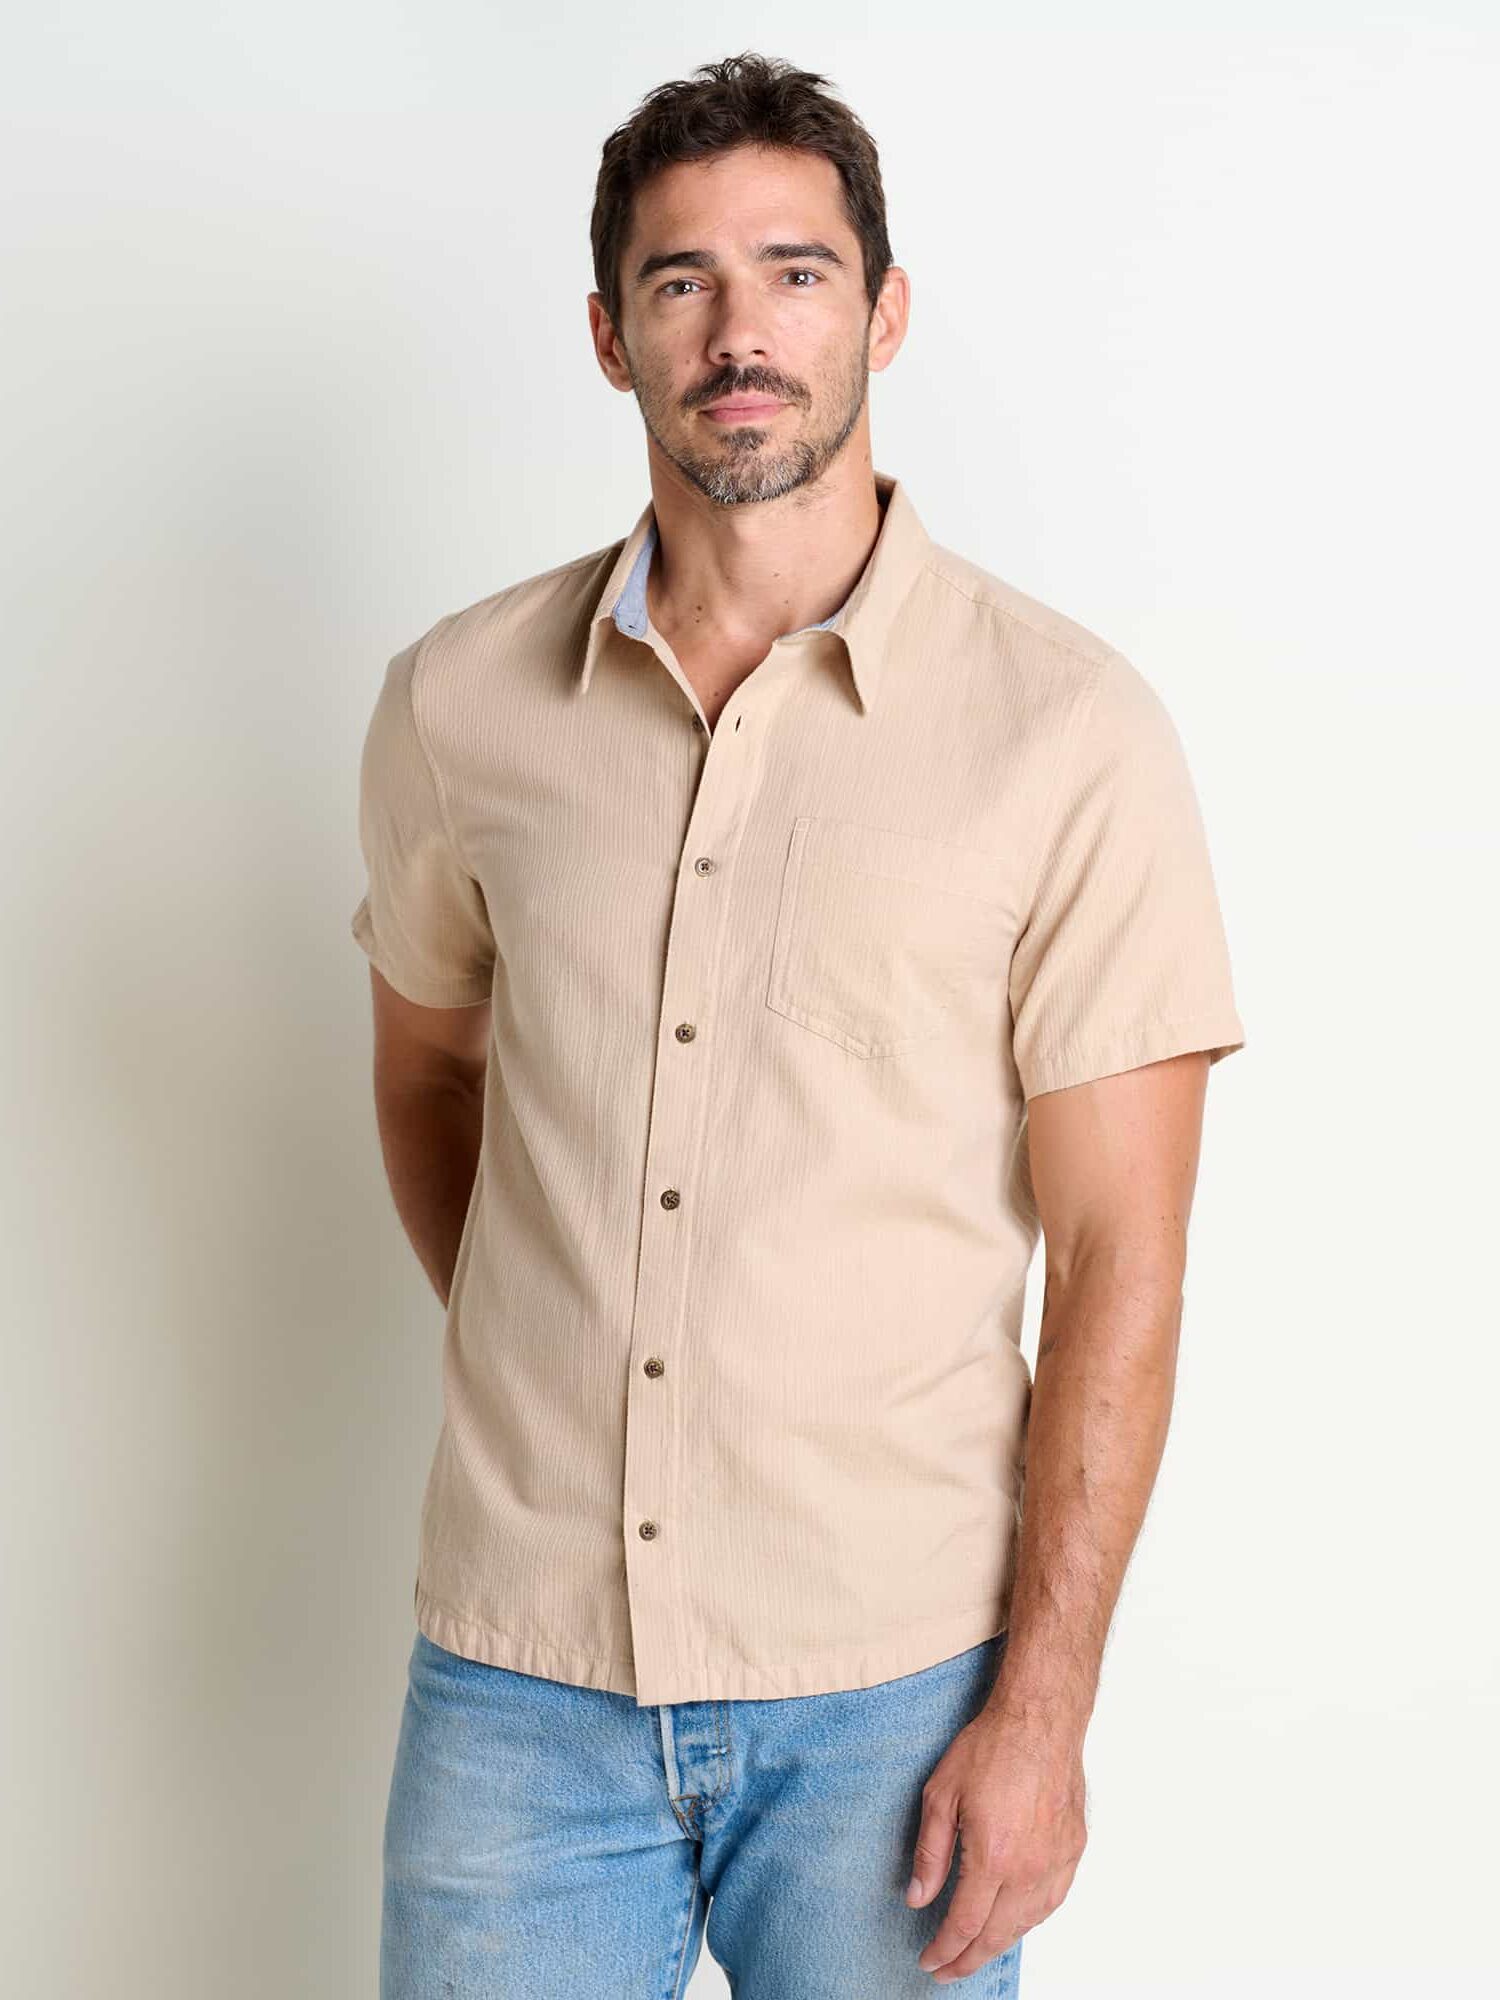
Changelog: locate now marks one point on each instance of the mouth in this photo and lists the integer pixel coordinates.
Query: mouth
(744, 408)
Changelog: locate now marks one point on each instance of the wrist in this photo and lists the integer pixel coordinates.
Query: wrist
(1044, 1705)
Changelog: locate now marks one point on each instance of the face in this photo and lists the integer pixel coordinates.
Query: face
(742, 284)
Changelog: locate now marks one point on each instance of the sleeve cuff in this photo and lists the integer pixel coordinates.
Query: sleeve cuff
(1221, 1034)
(418, 987)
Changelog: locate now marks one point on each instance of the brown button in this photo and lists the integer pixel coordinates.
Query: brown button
(655, 1366)
(670, 1198)
(685, 1031)
(698, 722)
(704, 866)
(648, 1531)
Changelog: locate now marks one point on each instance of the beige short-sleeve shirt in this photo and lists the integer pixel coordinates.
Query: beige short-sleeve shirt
(734, 1400)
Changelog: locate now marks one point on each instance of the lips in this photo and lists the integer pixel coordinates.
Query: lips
(745, 406)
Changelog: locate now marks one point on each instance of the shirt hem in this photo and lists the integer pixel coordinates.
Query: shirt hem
(920, 1646)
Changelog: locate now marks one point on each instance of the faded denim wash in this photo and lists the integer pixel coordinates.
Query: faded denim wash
(545, 1841)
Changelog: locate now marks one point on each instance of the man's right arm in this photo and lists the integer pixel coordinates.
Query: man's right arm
(429, 1101)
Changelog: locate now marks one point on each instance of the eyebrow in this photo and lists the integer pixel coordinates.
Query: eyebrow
(765, 253)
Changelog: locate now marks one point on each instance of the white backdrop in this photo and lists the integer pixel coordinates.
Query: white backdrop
(297, 359)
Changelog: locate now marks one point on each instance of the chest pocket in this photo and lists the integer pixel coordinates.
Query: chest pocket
(880, 935)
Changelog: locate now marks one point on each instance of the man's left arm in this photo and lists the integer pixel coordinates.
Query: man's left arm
(1114, 1162)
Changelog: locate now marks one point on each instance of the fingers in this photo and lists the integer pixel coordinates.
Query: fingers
(978, 1917)
(1020, 1830)
(1004, 1926)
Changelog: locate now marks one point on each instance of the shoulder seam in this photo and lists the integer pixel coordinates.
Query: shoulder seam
(421, 735)
(1082, 710)
(1079, 718)
(1019, 618)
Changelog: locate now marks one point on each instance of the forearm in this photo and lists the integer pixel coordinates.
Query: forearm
(1101, 1404)
(429, 1137)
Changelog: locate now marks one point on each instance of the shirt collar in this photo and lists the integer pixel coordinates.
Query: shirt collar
(630, 606)
(863, 621)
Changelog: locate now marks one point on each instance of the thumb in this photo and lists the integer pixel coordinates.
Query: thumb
(934, 1850)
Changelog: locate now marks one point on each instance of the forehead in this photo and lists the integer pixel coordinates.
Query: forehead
(749, 192)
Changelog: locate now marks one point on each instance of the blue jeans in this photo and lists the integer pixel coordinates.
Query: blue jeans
(551, 1842)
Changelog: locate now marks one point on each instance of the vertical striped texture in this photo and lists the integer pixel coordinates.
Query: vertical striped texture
(734, 1398)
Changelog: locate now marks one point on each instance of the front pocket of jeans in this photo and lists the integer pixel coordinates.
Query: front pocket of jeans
(880, 934)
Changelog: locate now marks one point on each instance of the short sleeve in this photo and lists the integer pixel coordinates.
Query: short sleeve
(1122, 959)
(422, 921)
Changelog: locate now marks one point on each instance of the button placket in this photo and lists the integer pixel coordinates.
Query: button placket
(727, 775)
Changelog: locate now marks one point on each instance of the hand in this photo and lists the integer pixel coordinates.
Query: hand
(1013, 1793)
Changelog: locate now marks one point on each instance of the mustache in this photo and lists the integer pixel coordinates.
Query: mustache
(745, 382)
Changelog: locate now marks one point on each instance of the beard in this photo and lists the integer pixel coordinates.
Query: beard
(748, 464)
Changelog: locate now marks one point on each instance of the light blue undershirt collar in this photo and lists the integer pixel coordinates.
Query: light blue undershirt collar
(630, 608)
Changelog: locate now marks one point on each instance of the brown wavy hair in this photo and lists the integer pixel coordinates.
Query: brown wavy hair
(747, 99)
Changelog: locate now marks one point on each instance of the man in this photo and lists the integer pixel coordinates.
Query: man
(776, 921)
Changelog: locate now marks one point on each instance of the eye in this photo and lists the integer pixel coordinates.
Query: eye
(668, 290)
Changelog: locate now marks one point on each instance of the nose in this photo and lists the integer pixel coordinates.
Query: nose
(738, 336)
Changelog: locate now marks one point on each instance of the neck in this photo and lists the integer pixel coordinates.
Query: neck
(745, 575)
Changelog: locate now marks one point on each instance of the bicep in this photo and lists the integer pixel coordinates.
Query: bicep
(417, 1044)
(1114, 1162)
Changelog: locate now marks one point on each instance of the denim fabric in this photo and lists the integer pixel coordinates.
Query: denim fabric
(551, 1842)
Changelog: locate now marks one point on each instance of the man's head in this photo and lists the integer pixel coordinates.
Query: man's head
(740, 250)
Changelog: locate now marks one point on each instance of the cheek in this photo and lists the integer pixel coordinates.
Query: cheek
(842, 377)
(662, 382)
